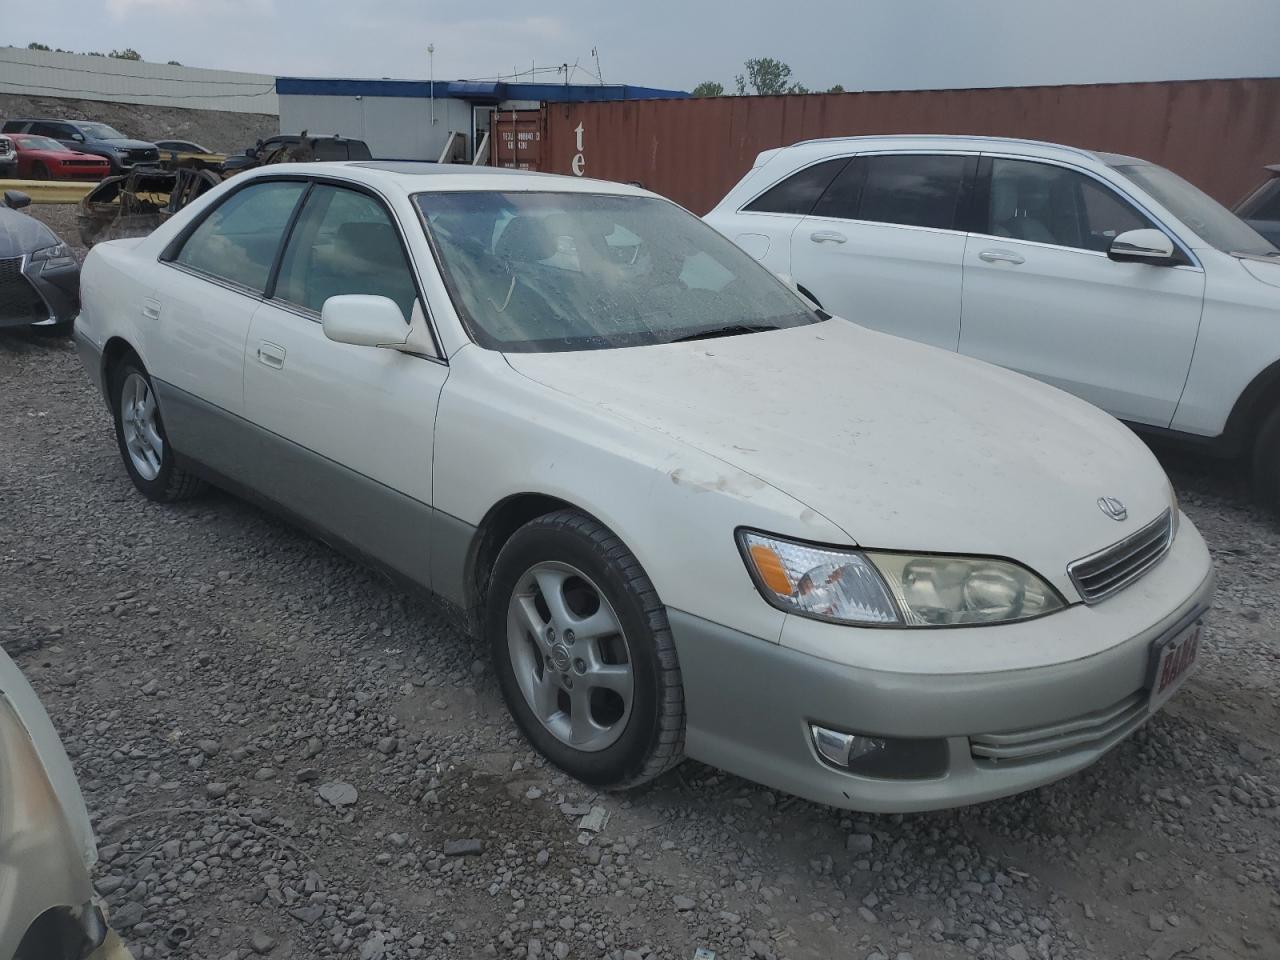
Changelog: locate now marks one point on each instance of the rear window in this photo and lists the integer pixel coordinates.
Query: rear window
(238, 241)
(799, 192)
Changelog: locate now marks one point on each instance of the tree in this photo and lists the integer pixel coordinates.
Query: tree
(128, 53)
(766, 76)
(836, 89)
(708, 88)
(37, 46)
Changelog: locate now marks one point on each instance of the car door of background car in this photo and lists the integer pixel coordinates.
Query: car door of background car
(205, 291)
(763, 227)
(1042, 297)
(345, 432)
(880, 246)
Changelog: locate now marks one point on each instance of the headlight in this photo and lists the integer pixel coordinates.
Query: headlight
(58, 255)
(886, 589)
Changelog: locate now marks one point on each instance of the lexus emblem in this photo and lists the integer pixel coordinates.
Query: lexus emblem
(1113, 508)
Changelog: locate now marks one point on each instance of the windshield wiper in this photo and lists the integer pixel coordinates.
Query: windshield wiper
(731, 330)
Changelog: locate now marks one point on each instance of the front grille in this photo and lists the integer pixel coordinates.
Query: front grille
(1092, 731)
(142, 155)
(1102, 574)
(19, 301)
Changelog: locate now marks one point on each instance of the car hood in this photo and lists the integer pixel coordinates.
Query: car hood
(21, 234)
(1268, 271)
(901, 445)
(128, 144)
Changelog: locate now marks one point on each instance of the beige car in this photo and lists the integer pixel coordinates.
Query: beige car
(47, 850)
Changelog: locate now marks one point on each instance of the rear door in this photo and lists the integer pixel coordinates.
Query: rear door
(344, 433)
(1042, 297)
(881, 245)
(199, 312)
(763, 227)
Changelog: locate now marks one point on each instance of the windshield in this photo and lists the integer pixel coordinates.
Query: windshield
(1214, 223)
(574, 271)
(28, 142)
(100, 131)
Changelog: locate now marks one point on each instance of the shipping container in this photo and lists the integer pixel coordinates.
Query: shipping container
(1216, 133)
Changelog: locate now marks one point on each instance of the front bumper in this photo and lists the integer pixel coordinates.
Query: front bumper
(32, 295)
(751, 703)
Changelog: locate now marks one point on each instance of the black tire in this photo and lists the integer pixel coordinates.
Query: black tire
(652, 741)
(39, 171)
(1266, 461)
(171, 484)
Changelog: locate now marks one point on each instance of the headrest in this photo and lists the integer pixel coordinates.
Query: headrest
(525, 240)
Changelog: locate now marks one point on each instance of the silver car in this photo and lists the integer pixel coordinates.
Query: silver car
(47, 850)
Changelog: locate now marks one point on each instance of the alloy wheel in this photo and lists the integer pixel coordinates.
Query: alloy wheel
(141, 427)
(570, 656)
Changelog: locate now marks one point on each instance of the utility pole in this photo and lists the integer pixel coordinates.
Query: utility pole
(431, 75)
(599, 73)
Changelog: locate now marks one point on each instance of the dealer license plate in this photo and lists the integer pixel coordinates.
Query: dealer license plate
(1173, 660)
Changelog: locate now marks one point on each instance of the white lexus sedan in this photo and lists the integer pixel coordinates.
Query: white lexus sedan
(691, 515)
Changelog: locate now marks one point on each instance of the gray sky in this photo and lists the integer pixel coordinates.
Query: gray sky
(888, 44)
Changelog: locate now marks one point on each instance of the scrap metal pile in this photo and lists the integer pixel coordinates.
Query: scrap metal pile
(135, 203)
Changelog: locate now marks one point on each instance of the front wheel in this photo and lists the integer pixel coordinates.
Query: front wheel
(584, 653)
(39, 171)
(148, 457)
(1266, 461)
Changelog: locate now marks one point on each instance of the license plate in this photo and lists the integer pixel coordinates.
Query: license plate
(1172, 661)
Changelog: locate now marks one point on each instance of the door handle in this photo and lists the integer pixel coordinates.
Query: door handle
(151, 308)
(271, 354)
(1001, 256)
(827, 236)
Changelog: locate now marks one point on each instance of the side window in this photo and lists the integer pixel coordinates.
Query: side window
(344, 242)
(798, 193)
(912, 189)
(1265, 204)
(48, 130)
(239, 239)
(1050, 204)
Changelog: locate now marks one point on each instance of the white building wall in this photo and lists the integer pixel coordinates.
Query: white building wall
(41, 73)
(397, 128)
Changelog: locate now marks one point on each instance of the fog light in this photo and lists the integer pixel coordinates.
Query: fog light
(886, 758)
(842, 749)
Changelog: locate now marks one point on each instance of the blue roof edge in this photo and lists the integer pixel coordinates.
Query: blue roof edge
(471, 90)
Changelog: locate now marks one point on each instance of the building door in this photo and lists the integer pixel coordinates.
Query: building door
(481, 131)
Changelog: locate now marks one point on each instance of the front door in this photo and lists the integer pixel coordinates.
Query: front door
(346, 431)
(1042, 297)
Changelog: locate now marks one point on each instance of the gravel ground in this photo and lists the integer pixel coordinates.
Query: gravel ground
(285, 756)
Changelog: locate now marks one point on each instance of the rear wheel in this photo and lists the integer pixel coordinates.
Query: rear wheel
(144, 447)
(1266, 461)
(584, 653)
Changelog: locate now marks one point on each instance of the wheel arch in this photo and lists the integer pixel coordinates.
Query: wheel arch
(1251, 409)
(500, 522)
(115, 350)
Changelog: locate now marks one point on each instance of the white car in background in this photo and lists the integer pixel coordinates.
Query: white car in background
(690, 515)
(1107, 276)
(47, 850)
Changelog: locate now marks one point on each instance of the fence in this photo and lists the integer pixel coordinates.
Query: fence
(1216, 133)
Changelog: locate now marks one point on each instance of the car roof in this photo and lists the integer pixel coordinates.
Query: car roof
(940, 141)
(423, 176)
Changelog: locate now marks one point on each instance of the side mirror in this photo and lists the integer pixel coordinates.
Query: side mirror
(78, 137)
(1143, 246)
(16, 199)
(364, 321)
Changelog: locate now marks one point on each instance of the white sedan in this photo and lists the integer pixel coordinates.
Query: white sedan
(691, 515)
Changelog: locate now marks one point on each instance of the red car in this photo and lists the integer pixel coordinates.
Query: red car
(42, 158)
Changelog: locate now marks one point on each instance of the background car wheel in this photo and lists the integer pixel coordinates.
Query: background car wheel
(584, 653)
(147, 456)
(1266, 461)
(39, 171)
